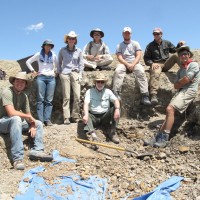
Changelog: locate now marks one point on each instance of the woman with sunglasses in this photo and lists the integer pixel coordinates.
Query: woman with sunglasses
(46, 82)
(70, 68)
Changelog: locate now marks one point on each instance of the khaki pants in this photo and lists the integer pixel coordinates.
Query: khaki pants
(107, 59)
(68, 81)
(164, 67)
(141, 78)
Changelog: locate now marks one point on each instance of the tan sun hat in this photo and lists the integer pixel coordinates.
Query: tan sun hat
(71, 34)
(22, 76)
(100, 77)
(187, 48)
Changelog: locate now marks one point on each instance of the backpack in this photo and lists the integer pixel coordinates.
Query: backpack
(90, 46)
(2, 75)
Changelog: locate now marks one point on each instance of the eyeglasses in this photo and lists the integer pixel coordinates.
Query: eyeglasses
(102, 82)
(97, 35)
(69, 38)
(156, 34)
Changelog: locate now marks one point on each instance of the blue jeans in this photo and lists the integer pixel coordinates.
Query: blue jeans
(15, 125)
(45, 91)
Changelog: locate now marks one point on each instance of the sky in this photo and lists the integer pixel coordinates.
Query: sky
(26, 24)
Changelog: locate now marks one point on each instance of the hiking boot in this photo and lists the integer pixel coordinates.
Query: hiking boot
(113, 136)
(19, 165)
(151, 141)
(100, 68)
(66, 121)
(161, 140)
(74, 120)
(48, 123)
(154, 99)
(40, 155)
(145, 100)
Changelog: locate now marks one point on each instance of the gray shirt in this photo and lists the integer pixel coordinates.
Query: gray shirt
(193, 73)
(69, 60)
(99, 101)
(128, 51)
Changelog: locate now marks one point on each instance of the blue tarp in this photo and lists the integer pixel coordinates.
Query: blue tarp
(162, 192)
(64, 188)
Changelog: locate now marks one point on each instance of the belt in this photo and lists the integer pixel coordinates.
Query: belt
(75, 70)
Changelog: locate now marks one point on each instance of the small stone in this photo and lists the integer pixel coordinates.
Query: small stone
(183, 149)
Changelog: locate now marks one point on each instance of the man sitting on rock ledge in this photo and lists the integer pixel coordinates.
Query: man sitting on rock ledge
(186, 83)
(98, 111)
(15, 117)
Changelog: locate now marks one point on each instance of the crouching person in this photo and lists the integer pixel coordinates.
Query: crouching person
(98, 110)
(186, 83)
(15, 117)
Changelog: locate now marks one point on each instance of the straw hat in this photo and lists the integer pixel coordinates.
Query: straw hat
(22, 76)
(71, 34)
(100, 77)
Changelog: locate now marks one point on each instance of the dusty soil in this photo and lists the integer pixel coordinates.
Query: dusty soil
(125, 173)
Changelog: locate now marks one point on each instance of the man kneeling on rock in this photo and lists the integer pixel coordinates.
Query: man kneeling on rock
(187, 82)
(98, 109)
(15, 117)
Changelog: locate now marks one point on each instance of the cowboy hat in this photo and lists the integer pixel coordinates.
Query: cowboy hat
(22, 76)
(97, 30)
(48, 42)
(182, 48)
(100, 77)
(71, 34)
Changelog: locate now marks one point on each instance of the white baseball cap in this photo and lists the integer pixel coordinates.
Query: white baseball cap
(127, 29)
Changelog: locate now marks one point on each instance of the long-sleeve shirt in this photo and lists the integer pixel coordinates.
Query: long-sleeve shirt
(45, 68)
(69, 61)
(155, 53)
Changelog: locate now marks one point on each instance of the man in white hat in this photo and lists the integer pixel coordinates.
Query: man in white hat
(15, 117)
(96, 53)
(129, 54)
(98, 110)
(157, 56)
(186, 83)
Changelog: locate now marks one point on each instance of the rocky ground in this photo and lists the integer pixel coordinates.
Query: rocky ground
(126, 174)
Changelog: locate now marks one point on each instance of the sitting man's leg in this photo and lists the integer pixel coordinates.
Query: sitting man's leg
(108, 121)
(170, 62)
(118, 79)
(37, 152)
(103, 64)
(13, 125)
(143, 84)
(154, 83)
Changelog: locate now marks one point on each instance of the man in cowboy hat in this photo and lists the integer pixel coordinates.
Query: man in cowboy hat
(129, 54)
(98, 111)
(96, 53)
(186, 83)
(157, 56)
(15, 117)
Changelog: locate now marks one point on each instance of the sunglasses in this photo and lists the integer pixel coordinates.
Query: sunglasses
(71, 38)
(97, 35)
(156, 33)
(184, 54)
(102, 82)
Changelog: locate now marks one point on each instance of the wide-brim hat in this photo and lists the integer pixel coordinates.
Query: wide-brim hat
(187, 48)
(48, 42)
(22, 76)
(100, 77)
(71, 34)
(96, 30)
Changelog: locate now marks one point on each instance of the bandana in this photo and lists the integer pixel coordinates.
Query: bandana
(49, 58)
(185, 64)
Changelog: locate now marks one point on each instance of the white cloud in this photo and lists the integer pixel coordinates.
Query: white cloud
(35, 27)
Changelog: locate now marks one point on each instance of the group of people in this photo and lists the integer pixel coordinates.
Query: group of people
(101, 105)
